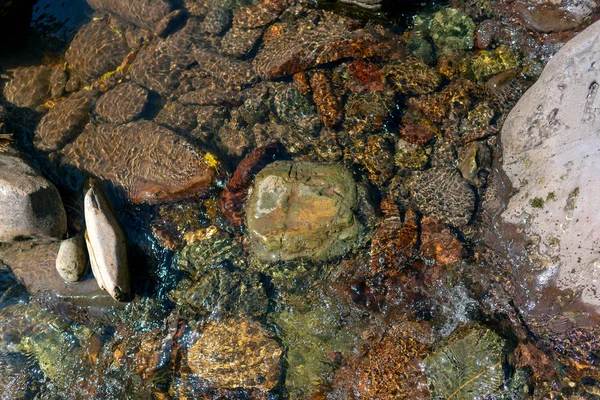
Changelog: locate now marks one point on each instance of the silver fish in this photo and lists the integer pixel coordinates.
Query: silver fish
(106, 243)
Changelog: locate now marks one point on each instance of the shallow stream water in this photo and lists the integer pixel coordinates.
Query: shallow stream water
(407, 101)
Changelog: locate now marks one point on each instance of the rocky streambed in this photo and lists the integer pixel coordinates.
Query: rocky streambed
(271, 199)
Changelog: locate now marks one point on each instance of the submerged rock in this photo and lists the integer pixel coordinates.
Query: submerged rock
(126, 156)
(95, 50)
(321, 38)
(64, 121)
(443, 193)
(302, 209)
(71, 261)
(237, 353)
(29, 86)
(471, 365)
(143, 13)
(30, 206)
(123, 104)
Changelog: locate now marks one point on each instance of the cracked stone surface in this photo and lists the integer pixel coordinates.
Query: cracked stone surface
(302, 209)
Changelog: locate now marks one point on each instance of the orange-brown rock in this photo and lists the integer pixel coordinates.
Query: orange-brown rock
(302, 82)
(147, 162)
(417, 132)
(388, 370)
(329, 105)
(236, 353)
(395, 240)
(439, 243)
(367, 75)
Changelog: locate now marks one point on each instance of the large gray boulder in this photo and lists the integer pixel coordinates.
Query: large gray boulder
(30, 206)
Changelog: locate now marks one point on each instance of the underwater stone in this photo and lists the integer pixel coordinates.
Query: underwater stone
(95, 50)
(123, 104)
(64, 121)
(29, 86)
(30, 206)
(410, 155)
(450, 29)
(143, 13)
(550, 147)
(442, 192)
(469, 366)
(71, 261)
(307, 44)
(302, 209)
(34, 264)
(126, 156)
(236, 353)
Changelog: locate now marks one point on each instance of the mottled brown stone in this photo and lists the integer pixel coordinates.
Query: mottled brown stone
(148, 162)
(236, 353)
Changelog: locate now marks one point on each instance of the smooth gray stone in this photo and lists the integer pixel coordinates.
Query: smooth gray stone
(30, 206)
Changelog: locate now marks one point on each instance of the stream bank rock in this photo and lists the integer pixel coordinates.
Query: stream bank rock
(551, 156)
(302, 209)
(30, 206)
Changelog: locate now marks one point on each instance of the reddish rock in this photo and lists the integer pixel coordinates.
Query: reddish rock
(149, 163)
(320, 38)
(367, 76)
(234, 197)
(417, 132)
(329, 105)
(438, 243)
(302, 82)
(395, 240)
(388, 369)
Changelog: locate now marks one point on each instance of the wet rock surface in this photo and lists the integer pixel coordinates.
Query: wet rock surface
(549, 146)
(253, 358)
(389, 121)
(123, 104)
(34, 264)
(302, 210)
(29, 86)
(95, 50)
(64, 121)
(105, 151)
(30, 205)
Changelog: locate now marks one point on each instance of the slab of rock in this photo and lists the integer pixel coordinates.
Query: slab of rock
(320, 38)
(29, 86)
(34, 264)
(237, 353)
(551, 155)
(64, 121)
(30, 206)
(148, 162)
(123, 104)
(95, 50)
(143, 13)
(302, 209)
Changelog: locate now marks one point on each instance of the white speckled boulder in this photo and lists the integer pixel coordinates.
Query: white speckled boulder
(551, 145)
(30, 206)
